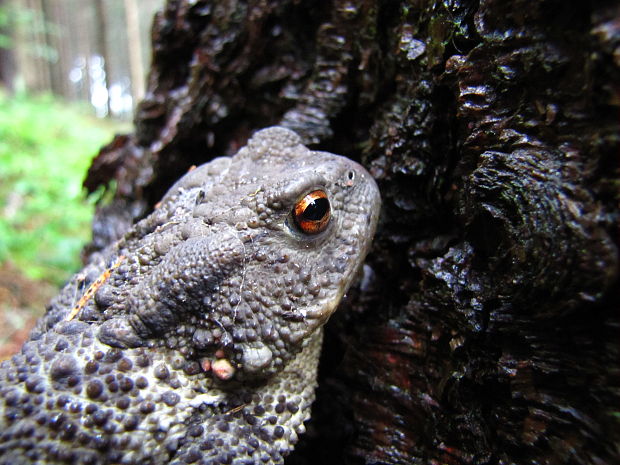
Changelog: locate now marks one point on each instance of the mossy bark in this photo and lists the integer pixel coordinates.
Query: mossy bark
(486, 327)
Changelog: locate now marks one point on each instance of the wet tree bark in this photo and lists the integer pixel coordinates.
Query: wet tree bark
(485, 329)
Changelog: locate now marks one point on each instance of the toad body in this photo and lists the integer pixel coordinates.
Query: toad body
(195, 338)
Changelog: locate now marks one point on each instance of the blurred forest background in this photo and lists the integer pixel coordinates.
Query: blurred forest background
(71, 72)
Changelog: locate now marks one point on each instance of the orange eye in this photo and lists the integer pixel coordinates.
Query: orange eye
(312, 212)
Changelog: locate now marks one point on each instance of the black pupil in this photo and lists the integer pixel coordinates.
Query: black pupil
(316, 210)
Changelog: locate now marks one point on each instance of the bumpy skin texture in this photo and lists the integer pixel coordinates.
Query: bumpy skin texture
(202, 344)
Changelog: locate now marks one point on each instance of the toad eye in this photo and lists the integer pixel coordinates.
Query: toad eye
(312, 212)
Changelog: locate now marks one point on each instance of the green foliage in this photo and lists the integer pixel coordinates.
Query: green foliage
(45, 150)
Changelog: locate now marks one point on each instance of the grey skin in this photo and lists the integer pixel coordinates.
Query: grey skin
(202, 344)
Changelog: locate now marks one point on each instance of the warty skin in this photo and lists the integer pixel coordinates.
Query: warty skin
(195, 338)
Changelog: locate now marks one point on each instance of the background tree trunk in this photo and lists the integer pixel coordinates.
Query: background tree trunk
(50, 16)
(101, 43)
(7, 42)
(136, 69)
(30, 41)
(485, 329)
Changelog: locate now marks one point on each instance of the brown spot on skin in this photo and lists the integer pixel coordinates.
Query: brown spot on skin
(125, 364)
(94, 389)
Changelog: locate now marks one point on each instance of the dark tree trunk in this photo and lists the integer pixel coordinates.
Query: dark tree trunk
(485, 330)
(7, 55)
